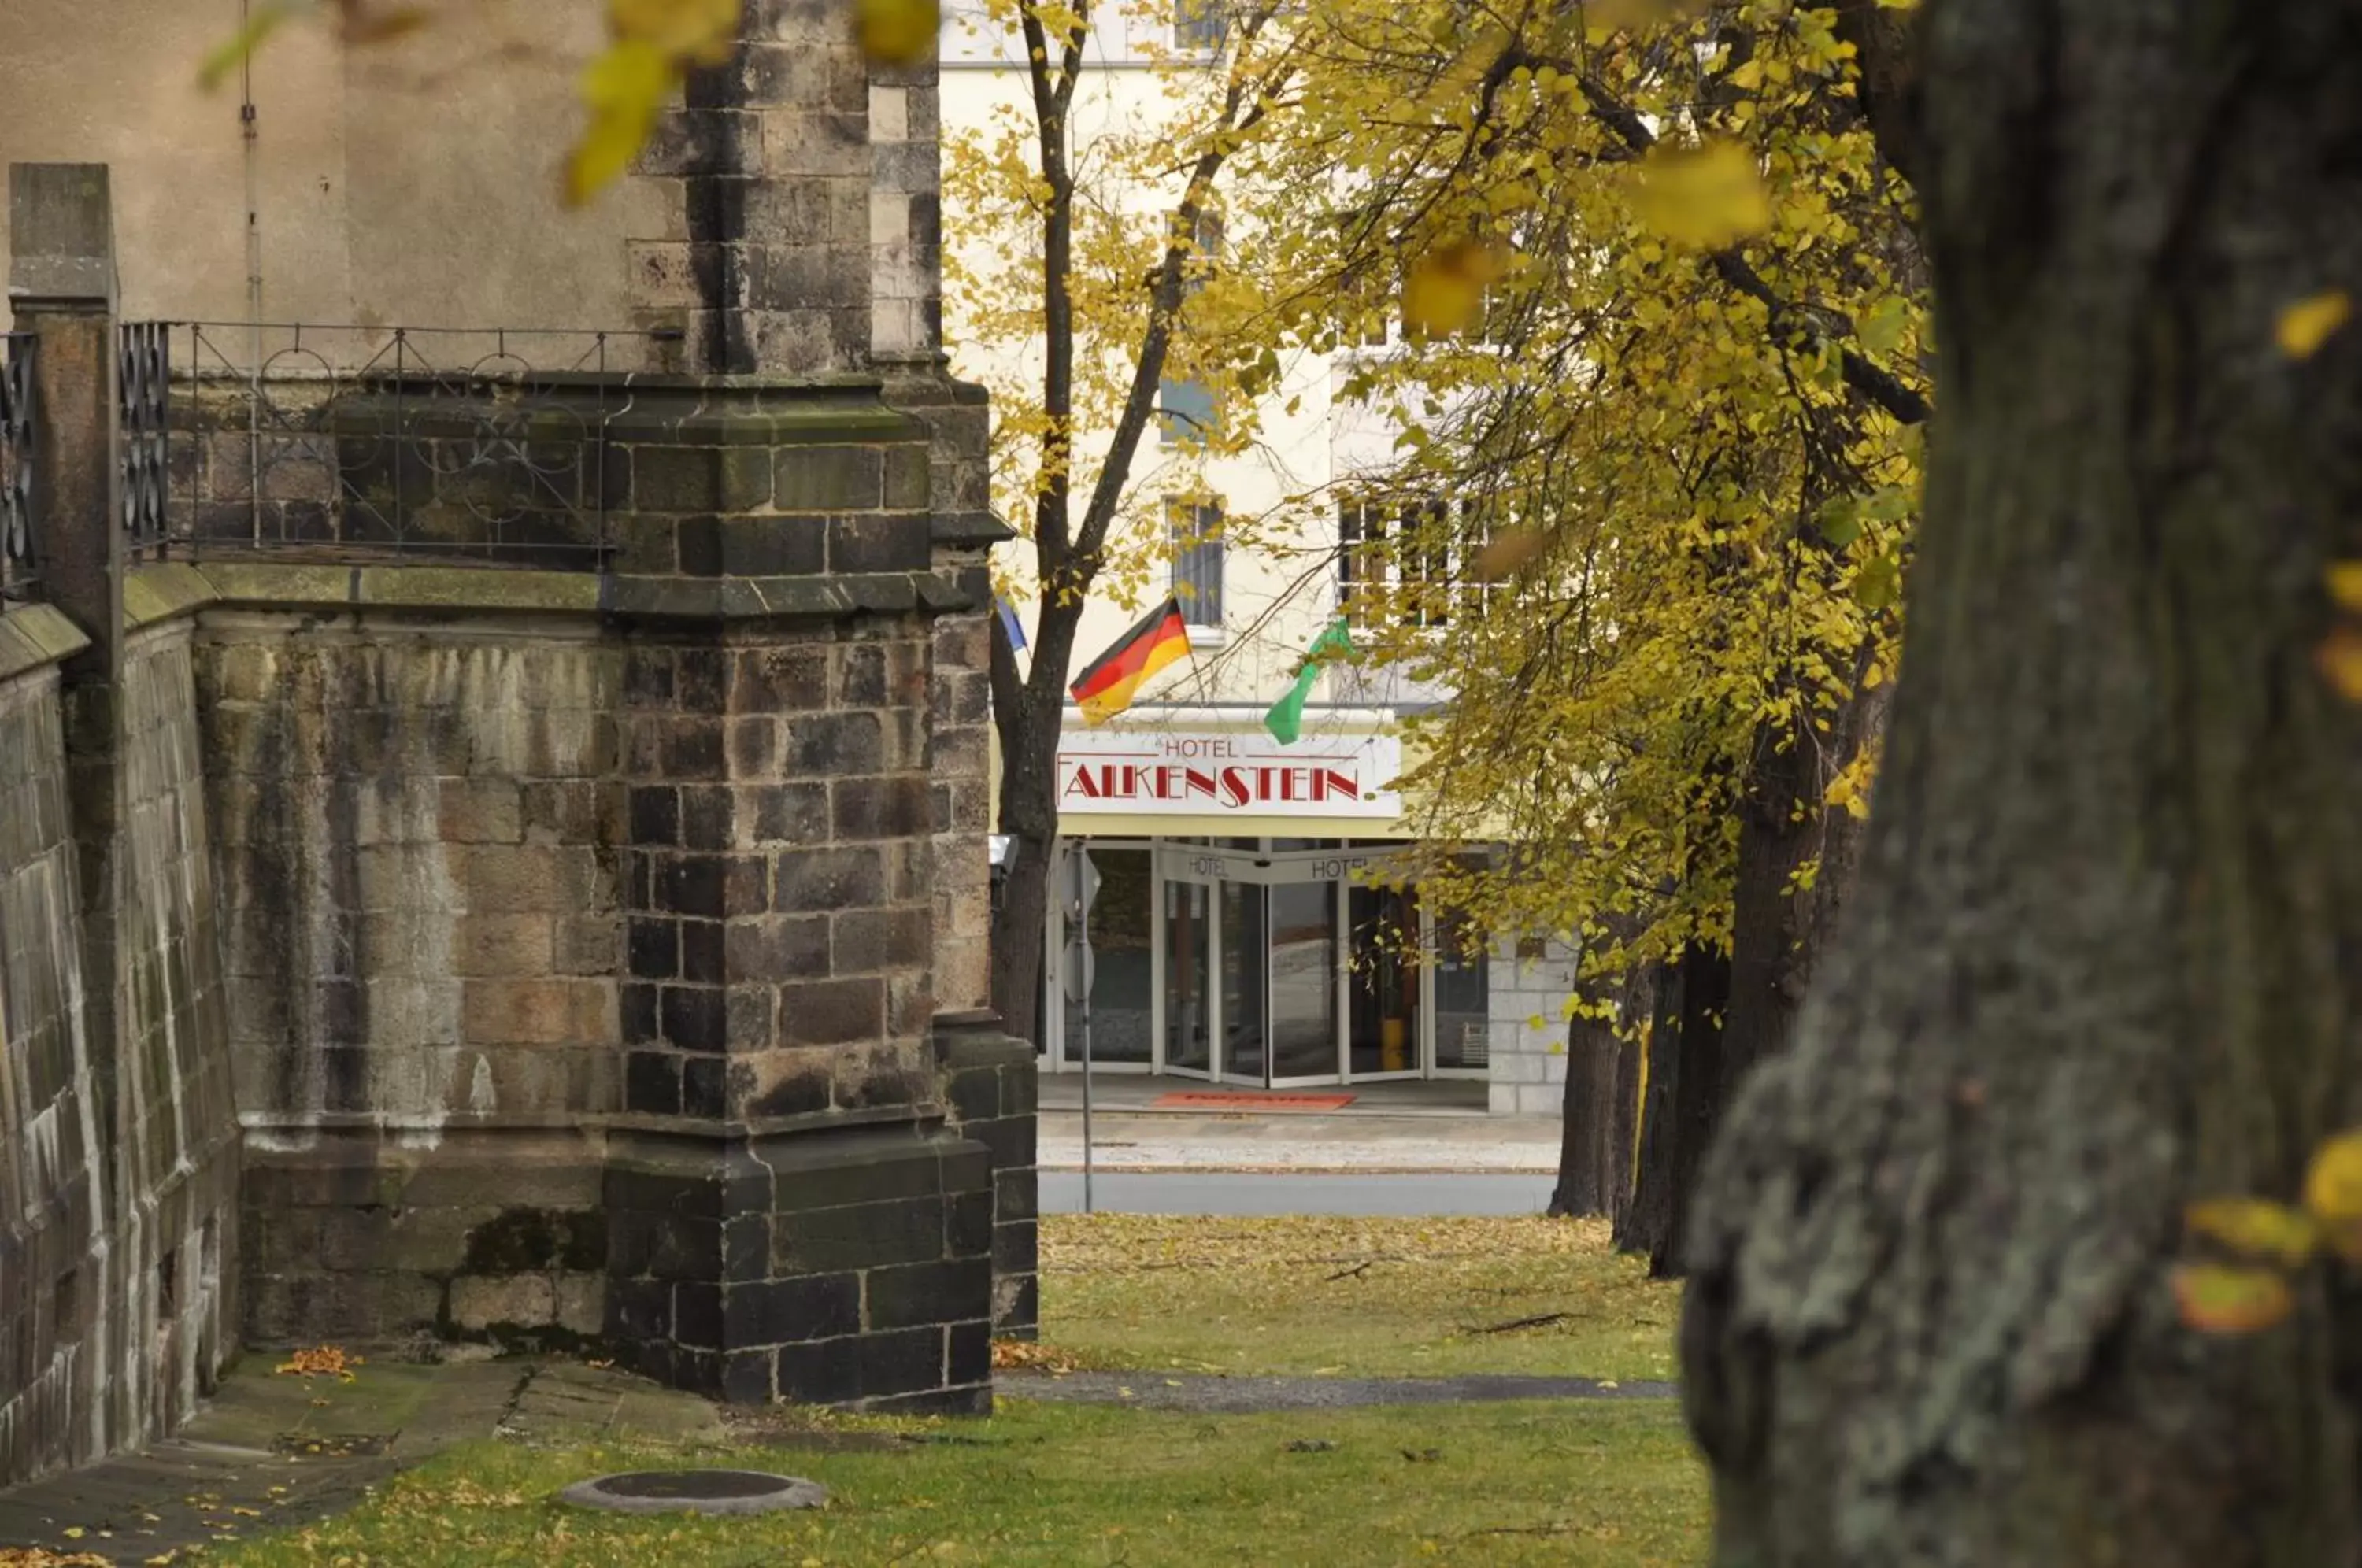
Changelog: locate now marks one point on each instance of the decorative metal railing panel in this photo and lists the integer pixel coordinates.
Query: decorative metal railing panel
(143, 388)
(20, 551)
(471, 445)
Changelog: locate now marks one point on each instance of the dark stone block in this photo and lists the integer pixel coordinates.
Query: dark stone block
(702, 951)
(905, 1361)
(785, 1311)
(1011, 1140)
(778, 947)
(974, 1094)
(832, 1172)
(697, 546)
(967, 1354)
(697, 1314)
(687, 1250)
(748, 1020)
(881, 543)
(968, 1225)
(863, 1235)
(827, 1372)
(1016, 1248)
(832, 1012)
(827, 879)
(652, 949)
(944, 1292)
(828, 479)
(639, 1309)
(881, 808)
(796, 1094)
(693, 1018)
(691, 747)
(675, 479)
(792, 813)
(746, 1249)
(640, 1024)
(775, 679)
(746, 1376)
(692, 885)
(702, 679)
(774, 547)
(701, 1087)
(832, 743)
(671, 1194)
(1022, 1311)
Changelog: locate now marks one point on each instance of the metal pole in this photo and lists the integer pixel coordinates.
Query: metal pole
(1086, 923)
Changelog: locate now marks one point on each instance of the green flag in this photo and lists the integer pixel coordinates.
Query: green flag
(1285, 720)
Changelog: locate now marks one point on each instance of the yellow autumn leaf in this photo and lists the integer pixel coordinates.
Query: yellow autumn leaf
(2255, 1229)
(697, 30)
(898, 32)
(624, 89)
(2340, 658)
(363, 23)
(1505, 553)
(2333, 1187)
(2216, 1298)
(259, 24)
(1707, 197)
(1444, 290)
(2306, 325)
(2345, 585)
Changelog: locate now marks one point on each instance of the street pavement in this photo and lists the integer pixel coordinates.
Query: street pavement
(1243, 1193)
(1297, 1141)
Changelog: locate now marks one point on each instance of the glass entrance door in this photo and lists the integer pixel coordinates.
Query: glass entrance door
(1302, 1030)
(1188, 979)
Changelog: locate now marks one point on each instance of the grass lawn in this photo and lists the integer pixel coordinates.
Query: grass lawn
(1373, 1298)
(1610, 1485)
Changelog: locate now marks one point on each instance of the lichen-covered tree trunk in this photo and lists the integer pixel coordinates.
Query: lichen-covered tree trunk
(2105, 951)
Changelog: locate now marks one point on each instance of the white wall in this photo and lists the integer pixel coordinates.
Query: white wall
(1529, 1067)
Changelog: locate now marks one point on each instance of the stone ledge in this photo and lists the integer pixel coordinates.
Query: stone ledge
(958, 530)
(37, 635)
(163, 591)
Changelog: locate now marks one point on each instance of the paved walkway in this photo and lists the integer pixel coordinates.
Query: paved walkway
(1142, 1141)
(1245, 1395)
(271, 1451)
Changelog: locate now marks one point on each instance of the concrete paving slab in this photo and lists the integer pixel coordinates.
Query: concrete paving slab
(272, 1450)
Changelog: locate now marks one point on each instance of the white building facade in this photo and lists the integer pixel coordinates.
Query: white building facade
(1235, 936)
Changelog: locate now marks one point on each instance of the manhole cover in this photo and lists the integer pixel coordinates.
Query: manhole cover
(695, 1492)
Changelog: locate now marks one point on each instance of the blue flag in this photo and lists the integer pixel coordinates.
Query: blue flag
(1009, 623)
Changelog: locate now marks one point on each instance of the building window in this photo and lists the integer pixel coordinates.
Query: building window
(1197, 26)
(1406, 562)
(1196, 529)
(1186, 407)
(1185, 411)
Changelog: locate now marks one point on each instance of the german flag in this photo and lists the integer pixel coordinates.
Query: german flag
(1108, 682)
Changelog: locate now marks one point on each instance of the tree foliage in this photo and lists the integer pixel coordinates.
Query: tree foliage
(1665, 323)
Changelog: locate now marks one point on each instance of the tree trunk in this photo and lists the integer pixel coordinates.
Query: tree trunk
(1587, 1119)
(1658, 1193)
(1599, 1113)
(2105, 951)
(1703, 993)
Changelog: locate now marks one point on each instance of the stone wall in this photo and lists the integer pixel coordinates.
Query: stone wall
(418, 822)
(119, 1144)
(175, 1127)
(1528, 1071)
(52, 1186)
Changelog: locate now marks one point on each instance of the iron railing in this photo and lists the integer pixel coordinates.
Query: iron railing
(467, 444)
(143, 382)
(20, 549)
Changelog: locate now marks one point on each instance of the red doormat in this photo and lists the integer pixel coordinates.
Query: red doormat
(1214, 1101)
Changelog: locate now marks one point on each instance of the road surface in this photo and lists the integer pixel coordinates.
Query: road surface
(1232, 1192)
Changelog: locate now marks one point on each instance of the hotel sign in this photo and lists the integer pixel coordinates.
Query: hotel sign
(1196, 773)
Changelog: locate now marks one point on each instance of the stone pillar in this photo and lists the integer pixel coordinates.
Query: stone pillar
(788, 1216)
(989, 1083)
(62, 288)
(751, 206)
